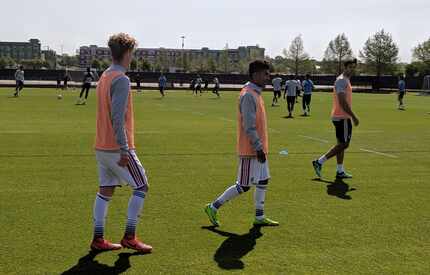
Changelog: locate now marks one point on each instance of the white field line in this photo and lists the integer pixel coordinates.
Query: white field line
(378, 153)
(198, 113)
(274, 130)
(226, 119)
(316, 139)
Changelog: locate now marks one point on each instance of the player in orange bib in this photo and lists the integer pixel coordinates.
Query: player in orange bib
(341, 116)
(115, 150)
(252, 147)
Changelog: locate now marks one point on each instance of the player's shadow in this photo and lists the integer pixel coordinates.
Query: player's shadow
(337, 188)
(231, 251)
(88, 265)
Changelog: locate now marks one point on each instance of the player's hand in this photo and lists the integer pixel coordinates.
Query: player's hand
(124, 159)
(355, 121)
(261, 156)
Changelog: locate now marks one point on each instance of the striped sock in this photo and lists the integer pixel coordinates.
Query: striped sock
(99, 213)
(231, 192)
(259, 197)
(135, 206)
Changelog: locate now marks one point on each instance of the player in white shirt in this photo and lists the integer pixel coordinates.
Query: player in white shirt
(290, 94)
(19, 78)
(277, 87)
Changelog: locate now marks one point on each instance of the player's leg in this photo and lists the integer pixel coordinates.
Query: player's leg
(107, 181)
(340, 172)
(87, 90)
(135, 176)
(308, 103)
(241, 186)
(16, 89)
(304, 105)
(274, 100)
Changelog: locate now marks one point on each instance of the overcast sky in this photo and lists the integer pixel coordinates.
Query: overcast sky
(272, 24)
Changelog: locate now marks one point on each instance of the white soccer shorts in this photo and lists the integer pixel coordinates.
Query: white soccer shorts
(111, 174)
(251, 171)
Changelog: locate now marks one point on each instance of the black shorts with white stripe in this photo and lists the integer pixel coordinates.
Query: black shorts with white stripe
(343, 130)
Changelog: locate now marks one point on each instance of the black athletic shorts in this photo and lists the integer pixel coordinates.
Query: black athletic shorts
(19, 83)
(401, 95)
(277, 93)
(86, 85)
(343, 130)
(291, 99)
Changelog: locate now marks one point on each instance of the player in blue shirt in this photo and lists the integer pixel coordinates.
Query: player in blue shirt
(402, 92)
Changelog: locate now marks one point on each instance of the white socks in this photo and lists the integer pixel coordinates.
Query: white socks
(99, 213)
(259, 196)
(232, 192)
(322, 159)
(135, 206)
(339, 168)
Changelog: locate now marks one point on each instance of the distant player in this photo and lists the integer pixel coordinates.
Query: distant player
(290, 94)
(341, 116)
(58, 82)
(206, 85)
(198, 84)
(277, 87)
(162, 83)
(19, 81)
(86, 86)
(138, 82)
(192, 85)
(66, 78)
(402, 92)
(252, 146)
(115, 150)
(308, 87)
(216, 86)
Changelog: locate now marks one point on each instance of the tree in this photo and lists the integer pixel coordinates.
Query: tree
(96, 64)
(69, 60)
(380, 53)
(3, 63)
(337, 51)
(133, 64)
(224, 60)
(145, 65)
(422, 52)
(296, 55)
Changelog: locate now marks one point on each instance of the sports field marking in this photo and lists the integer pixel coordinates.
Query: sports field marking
(316, 139)
(378, 153)
(274, 130)
(226, 119)
(198, 113)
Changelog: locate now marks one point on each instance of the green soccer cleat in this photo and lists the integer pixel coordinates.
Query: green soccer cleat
(317, 167)
(211, 214)
(343, 175)
(265, 222)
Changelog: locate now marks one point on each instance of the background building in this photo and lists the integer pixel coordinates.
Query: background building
(177, 59)
(21, 50)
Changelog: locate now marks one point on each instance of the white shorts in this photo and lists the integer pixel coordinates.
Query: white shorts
(251, 171)
(111, 174)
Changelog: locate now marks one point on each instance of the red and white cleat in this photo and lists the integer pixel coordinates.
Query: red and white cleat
(133, 242)
(101, 244)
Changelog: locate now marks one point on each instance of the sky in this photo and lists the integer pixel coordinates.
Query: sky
(272, 24)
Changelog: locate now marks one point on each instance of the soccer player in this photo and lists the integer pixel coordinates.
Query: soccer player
(86, 86)
(19, 79)
(162, 82)
(198, 84)
(277, 87)
(252, 146)
(216, 86)
(66, 78)
(290, 93)
(308, 86)
(341, 115)
(115, 149)
(402, 92)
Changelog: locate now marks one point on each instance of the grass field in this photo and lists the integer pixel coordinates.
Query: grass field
(376, 223)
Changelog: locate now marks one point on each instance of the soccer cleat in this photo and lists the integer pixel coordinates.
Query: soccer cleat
(343, 175)
(211, 214)
(265, 222)
(101, 244)
(317, 167)
(133, 242)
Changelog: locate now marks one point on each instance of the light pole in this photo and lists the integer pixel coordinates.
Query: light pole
(183, 53)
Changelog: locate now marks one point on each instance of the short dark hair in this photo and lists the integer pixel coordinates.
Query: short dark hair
(88, 69)
(348, 62)
(308, 76)
(119, 44)
(258, 66)
(21, 67)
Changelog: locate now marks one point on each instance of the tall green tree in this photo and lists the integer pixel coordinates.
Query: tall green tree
(337, 51)
(421, 52)
(380, 53)
(296, 55)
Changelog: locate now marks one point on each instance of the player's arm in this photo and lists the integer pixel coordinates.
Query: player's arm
(248, 108)
(119, 96)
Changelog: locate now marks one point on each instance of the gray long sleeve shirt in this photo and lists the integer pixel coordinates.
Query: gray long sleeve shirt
(248, 109)
(119, 99)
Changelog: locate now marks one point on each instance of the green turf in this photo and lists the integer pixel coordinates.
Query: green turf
(48, 182)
